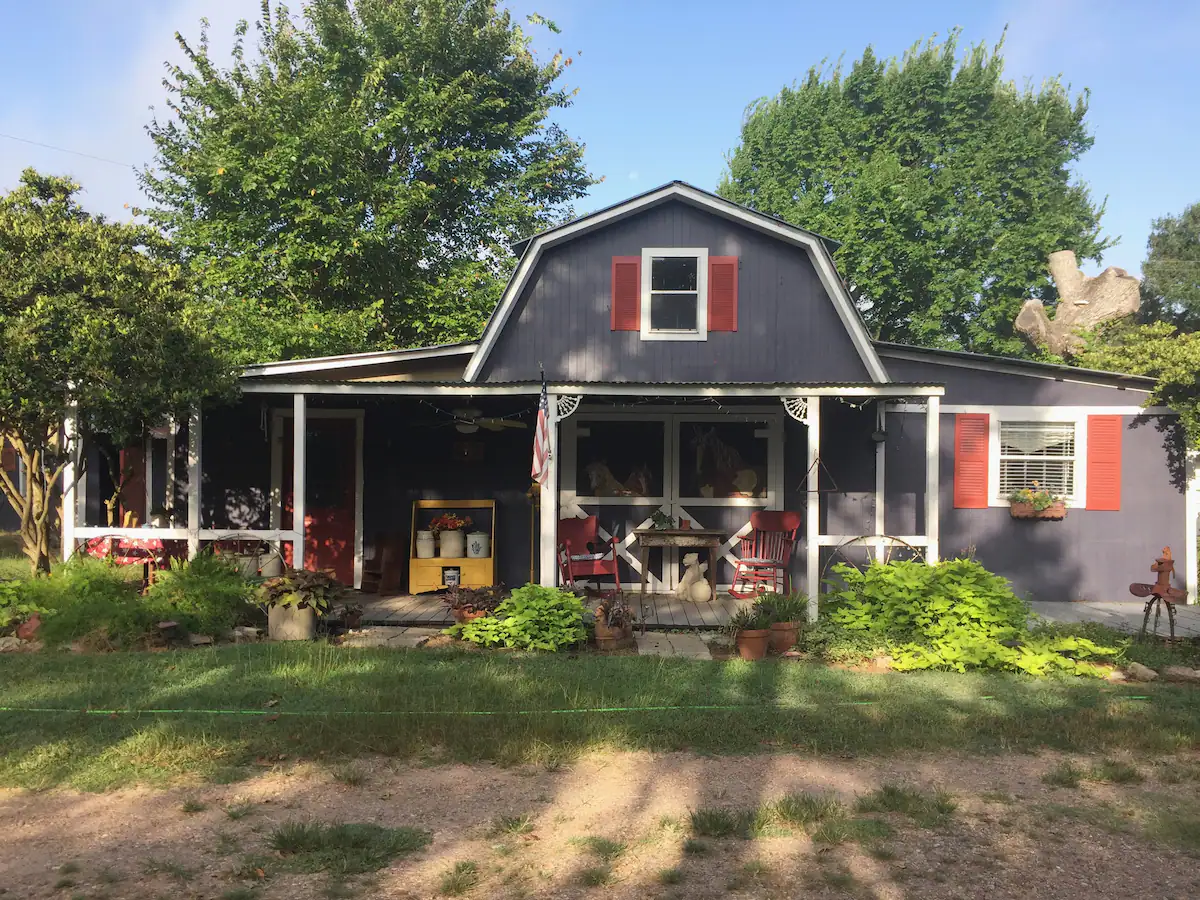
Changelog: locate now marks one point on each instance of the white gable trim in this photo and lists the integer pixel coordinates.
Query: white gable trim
(355, 360)
(820, 257)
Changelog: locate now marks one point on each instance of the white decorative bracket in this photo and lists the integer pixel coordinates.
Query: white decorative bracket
(567, 405)
(797, 408)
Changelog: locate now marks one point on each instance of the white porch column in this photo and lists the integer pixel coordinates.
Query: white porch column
(194, 469)
(548, 537)
(933, 443)
(1191, 510)
(812, 515)
(880, 517)
(299, 440)
(70, 499)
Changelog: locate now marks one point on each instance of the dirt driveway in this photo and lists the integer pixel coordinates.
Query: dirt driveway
(618, 825)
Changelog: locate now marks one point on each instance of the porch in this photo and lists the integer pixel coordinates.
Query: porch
(661, 611)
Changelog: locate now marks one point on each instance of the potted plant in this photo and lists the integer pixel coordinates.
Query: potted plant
(614, 624)
(352, 614)
(466, 604)
(1036, 503)
(294, 600)
(660, 521)
(751, 630)
(448, 529)
(785, 612)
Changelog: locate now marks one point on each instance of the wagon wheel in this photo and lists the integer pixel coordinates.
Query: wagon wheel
(868, 542)
(255, 555)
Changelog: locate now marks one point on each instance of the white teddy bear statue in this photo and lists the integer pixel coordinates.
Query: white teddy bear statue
(694, 586)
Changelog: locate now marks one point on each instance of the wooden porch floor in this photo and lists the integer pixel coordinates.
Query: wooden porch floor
(661, 611)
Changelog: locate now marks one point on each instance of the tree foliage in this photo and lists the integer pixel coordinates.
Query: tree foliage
(92, 313)
(1159, 350)
(356, 182)
(1171, 272)
(946, 186)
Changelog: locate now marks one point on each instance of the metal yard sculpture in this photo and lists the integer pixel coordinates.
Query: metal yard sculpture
(1160, 592)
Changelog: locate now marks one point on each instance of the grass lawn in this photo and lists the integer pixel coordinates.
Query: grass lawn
(314, 701)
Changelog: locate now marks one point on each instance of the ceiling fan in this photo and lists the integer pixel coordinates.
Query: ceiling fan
(468, 421)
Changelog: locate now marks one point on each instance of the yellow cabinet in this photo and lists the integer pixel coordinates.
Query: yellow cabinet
(430, 574)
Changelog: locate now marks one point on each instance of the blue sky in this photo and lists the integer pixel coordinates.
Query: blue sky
(663, 85)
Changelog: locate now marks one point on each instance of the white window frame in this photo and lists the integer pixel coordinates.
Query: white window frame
(1077, 499)
(700, 254)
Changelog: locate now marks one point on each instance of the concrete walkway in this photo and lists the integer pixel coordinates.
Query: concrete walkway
(657, 643)
(389, 636)
(1126, 615)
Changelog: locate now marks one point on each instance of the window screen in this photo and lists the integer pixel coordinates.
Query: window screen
(1037, 451)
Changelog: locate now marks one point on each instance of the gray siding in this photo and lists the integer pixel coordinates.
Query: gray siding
(1090, 555)
(788, 329)
(965, 386)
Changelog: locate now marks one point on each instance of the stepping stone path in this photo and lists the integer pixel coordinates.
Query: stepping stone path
(389, 636)
(688, 646)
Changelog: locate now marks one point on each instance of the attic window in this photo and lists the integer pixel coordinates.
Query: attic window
(674, 294)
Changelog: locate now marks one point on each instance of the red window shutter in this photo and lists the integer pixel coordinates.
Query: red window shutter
(626, 293)
(971, 461)
(1104, 462)
(722, 293)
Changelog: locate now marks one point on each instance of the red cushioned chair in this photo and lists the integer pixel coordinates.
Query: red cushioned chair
(582, 555)
(765, 553)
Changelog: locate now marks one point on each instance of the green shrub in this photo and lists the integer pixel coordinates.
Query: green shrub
(207, 595)
(954, 615)
(14, 607)
(90, 597)
(533, 618)
(783, 607)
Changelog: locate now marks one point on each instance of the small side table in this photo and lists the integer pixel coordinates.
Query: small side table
(708, 538)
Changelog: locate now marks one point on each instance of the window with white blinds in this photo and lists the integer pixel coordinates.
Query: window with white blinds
(1037, 451)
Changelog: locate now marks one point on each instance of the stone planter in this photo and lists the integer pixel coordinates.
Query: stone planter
(289, 623)
(1054, 512)
(453, 545)
(426, 547)
(614, 638)
(478, 545)
(784, 636)
(752, 643)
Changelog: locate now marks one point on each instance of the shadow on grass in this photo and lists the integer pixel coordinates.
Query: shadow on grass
(239, 706)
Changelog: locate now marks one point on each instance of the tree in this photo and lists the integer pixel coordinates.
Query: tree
(1171, 272)
(357, 183)
(1160, 351)
(946, 186)
(93, 315)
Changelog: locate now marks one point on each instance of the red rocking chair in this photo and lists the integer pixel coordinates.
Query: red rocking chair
(583, 555)
(765, 554)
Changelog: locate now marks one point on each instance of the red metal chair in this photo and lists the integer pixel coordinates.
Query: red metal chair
(583, 555)
(765, 553)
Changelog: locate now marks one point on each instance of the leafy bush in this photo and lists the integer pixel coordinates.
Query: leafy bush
(207, 595)
(533, 618)
(954, 615)
(14, 608)
(90, 597)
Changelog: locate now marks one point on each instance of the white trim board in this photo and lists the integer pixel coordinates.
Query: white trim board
(631, 389)
(1029, 412)
(819, 255)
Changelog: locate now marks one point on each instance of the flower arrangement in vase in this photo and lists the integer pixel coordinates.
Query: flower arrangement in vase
(448, 529)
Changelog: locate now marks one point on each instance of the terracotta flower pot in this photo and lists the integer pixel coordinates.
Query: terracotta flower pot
(608, 638)
(752, 644)
(464, 614)
(784, 636)
(1055, 511)
(27, 630)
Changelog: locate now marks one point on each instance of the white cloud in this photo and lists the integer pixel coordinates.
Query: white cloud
(106, 114)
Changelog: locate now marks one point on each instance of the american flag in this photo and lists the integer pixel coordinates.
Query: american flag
(541, 440)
